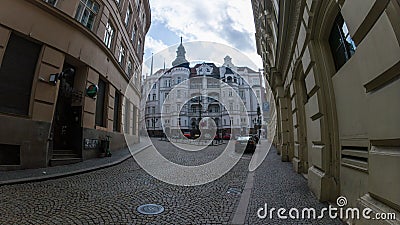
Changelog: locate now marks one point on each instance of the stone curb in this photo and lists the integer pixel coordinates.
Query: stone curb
(70, 173)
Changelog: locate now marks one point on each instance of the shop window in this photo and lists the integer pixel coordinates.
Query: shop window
(117, 112)
(16, 73)
(101, 104)
(127, 115)
(342, 46)
(86, 13)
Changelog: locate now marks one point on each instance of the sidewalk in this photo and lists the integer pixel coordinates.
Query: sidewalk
(32, 175)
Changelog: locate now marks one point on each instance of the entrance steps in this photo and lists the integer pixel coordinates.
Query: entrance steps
(64, 157)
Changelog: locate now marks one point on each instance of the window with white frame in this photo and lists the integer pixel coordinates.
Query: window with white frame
(86, 13)
(109, 35)
(128, 15)
(121, 55)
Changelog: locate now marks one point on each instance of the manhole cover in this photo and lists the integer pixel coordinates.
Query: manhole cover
(236, 191)
(150, 209)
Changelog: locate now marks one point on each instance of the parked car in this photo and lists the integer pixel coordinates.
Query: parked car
(187, 134)
(226, 136)
(245, 143)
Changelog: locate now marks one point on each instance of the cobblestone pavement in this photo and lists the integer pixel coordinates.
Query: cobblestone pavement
(279, 186)
(112, 195)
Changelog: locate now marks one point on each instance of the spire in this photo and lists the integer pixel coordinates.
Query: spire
(180, 55)
(164, 64)
(151, 66)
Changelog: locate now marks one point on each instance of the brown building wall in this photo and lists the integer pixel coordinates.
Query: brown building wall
(65, 41)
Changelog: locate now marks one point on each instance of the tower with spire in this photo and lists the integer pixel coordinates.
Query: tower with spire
(180, 56)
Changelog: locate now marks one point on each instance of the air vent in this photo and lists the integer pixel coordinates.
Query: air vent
(355, 157)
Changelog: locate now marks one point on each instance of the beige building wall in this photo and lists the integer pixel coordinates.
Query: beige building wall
(64, 40)
(344, 126)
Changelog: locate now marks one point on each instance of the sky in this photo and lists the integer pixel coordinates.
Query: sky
(226, 22)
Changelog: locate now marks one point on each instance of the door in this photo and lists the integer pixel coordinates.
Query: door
(66, 122)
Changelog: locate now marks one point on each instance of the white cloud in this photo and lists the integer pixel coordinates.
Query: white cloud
(226, 22)
(153, 45)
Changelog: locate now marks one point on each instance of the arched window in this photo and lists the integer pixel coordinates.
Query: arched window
(229, 79)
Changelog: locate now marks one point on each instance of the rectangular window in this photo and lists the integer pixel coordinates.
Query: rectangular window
(139, 47)
(133, 37)
(342, 46)
(138, 3)
(121, 55)
(117, 112)
(128, 16)
(258, 93)
(178, 93)
(16, 73)
(129, 68)
(109, 35)
(101, 104)
(51, 2)
(134, 120)
(86, 13)
(144, 23)
(127, 115)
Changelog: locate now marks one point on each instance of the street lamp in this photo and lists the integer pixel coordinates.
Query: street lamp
(57, 76)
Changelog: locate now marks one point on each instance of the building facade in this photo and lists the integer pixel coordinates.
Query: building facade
(334, 67)
(65, 66)
(204, 90)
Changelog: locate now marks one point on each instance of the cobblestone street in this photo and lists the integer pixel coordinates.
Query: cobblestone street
(112, 195)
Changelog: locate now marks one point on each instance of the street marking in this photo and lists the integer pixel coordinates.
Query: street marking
(241, 211)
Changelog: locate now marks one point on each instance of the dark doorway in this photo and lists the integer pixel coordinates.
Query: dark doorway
(67, 130)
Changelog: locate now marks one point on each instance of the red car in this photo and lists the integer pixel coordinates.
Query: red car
(226, 136)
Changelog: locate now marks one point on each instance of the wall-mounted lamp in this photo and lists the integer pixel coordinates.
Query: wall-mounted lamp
(57, 76)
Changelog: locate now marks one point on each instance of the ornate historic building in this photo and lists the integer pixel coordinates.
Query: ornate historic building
(65, 66)
(334, 67)
(204, 90)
